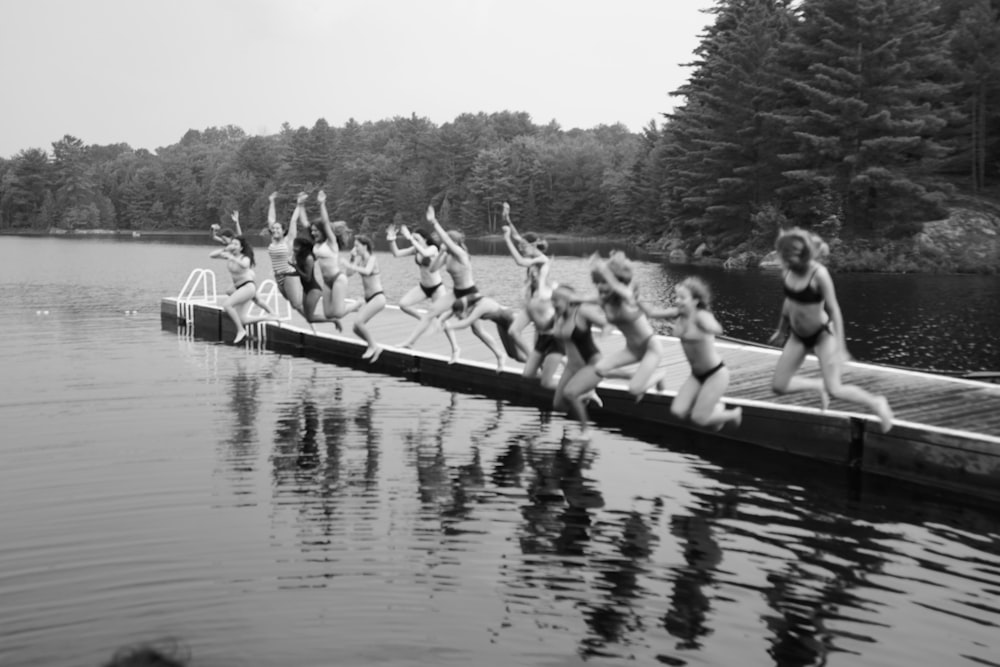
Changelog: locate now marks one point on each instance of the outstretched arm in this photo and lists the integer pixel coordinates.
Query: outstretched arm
(654, 313)
(482, 307)
(507, 221)
(293, 229)
(325, 217)
(272, 215)
(366, 269)
(300, 210)
(519, 259)
(236, 223)
(390, 236)
(456, 250)
(215, 235)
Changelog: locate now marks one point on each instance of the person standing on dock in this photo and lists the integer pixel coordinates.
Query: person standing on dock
(699, 398)
(362, 261)
(430, 286)
(811, 321)
(459, 266)
(240, 262)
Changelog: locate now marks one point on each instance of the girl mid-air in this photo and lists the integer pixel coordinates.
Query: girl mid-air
(328, 239)
(240, 262)
(699, 397)
(430, 286)
(363, 262)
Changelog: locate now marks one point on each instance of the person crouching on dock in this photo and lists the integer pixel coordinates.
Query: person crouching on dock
(363, 262)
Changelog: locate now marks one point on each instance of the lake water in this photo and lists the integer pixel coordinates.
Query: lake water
(262, 509)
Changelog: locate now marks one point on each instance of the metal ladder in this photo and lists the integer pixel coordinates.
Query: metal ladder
(203, 279)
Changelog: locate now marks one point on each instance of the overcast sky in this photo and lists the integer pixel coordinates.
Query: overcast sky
(143, 72)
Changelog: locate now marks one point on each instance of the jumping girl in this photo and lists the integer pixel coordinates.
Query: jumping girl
(812, 320)
(694, 324)
(618, 300)
(363, 262)
(240, 262)
(280, 252)
(430, 286)
(459, 267)
(573, 328)
(327, 240)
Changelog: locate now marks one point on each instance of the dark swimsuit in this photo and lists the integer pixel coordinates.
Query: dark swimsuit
(701, 377)
(308, 280)
(583, 338)
(429, 291)
(245, 282)
(465, 298)
(369, 298)
(808, 295)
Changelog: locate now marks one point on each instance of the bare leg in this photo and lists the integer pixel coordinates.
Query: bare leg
(708, 410)
(831, 365)
(365, 313)
(491, 343)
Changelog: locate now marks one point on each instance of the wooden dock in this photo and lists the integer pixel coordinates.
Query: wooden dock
(946, 435)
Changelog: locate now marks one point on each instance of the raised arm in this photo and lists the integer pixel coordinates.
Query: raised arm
(272, 215)
(292, 230)
(300, 210)
(215, 234)
(507, 221)
(390, 236)
(519, 259)
(455, 249)
(325, 217)
(235, 216)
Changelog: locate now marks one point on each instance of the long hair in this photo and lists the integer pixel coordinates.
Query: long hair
(246, 249)
(813, 246)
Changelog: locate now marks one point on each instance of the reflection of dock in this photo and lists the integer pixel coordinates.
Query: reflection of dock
(947, 433)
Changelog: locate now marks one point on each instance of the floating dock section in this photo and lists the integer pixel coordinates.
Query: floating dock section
(946, 435)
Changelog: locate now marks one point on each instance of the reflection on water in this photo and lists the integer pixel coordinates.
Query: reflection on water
(267, 510)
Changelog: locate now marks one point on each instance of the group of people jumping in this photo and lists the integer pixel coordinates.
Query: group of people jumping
(311, 274)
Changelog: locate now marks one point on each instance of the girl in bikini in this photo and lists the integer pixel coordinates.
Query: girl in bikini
(327, 238)
(459, 267)
(363, 262)
(240, 262)
(812, 321)
(699, 397)
(528, 252)
(430, 287)
(280, 252)
(618, 300)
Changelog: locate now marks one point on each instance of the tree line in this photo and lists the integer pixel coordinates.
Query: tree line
(853, 117)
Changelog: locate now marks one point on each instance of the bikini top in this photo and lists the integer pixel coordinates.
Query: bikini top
(421, 260)
(807, 294)
(322, 250)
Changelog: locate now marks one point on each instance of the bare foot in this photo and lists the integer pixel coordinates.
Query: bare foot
(593, 398)
(501, 362)
(368, 352)
(240, 337)
(375, 354)
(454, 355)
(336, 324)
(737, 417)
(824, 400)
(884, 413)
(405, 346)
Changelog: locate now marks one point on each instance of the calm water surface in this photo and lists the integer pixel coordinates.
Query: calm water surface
(269, 510)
